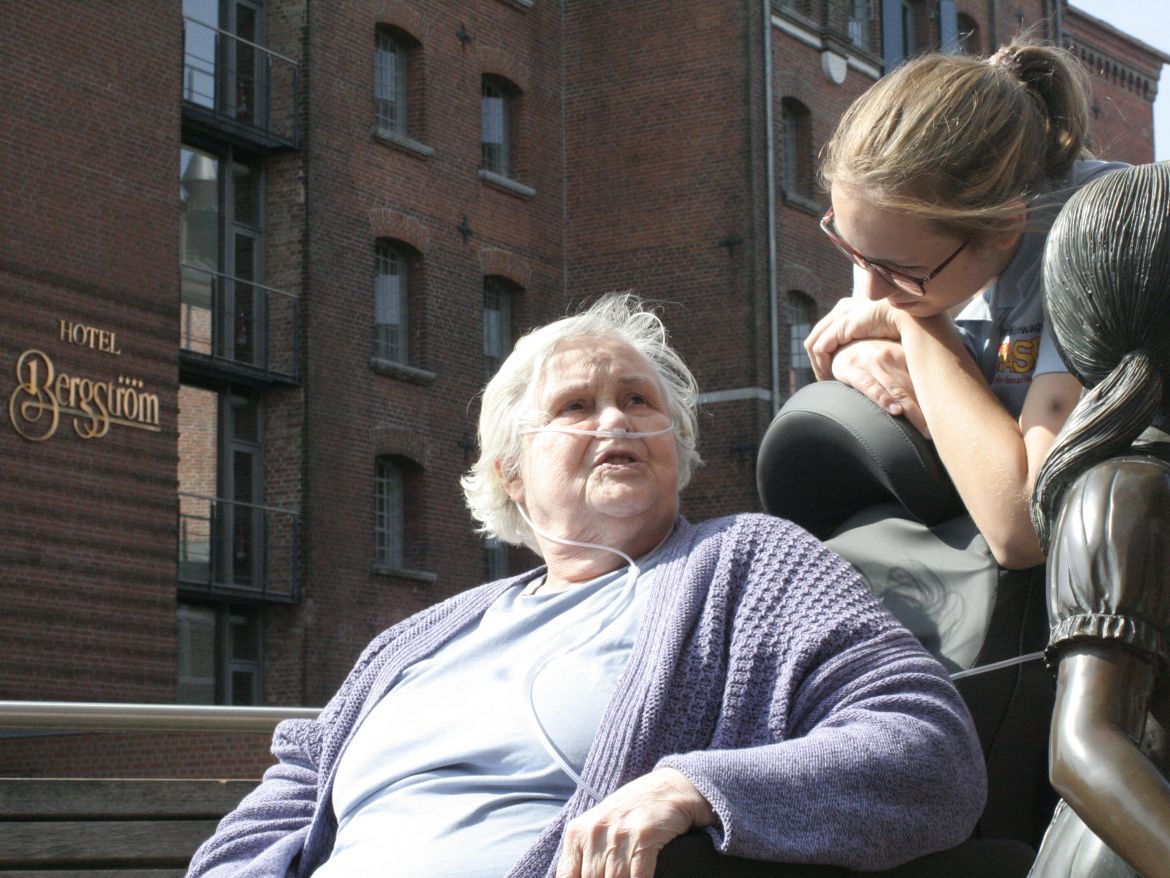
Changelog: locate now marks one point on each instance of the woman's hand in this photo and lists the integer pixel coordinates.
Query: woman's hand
(621, 836)
(877, 367)
(850, 320)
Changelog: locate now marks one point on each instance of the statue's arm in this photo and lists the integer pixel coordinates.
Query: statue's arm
(1102, 699)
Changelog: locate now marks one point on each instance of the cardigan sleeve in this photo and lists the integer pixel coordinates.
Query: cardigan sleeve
(891, 772)
(265, 835)
(266, 832)
(282, 828)
(850, 746)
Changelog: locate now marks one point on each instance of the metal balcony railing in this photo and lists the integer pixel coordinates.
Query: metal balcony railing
(238, 549)
(239, 322)
(113, 717)
(243, 86)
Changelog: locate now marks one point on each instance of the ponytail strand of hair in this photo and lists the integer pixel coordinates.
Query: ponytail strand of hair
(1105, 421)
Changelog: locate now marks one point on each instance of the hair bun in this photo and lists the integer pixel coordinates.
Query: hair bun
(1008, 57)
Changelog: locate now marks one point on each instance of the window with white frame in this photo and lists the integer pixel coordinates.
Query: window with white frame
(497, 127)
(497, 324)
(389, 514)
(391, 290)
(390, 83)
(860, 20)
(802, 313)
(807, 8)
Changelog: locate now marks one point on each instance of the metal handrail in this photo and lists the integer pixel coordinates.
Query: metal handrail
(246, 112)
(239, 280)
(120, 717)
(240, 39)
(224, 500)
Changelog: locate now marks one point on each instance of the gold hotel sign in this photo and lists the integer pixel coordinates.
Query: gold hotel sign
(43, 395)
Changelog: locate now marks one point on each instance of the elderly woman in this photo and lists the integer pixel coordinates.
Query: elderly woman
(653, 677)
(1102, 505)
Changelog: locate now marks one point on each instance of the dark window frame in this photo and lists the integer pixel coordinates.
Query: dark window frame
(798, 176)
(228, 665)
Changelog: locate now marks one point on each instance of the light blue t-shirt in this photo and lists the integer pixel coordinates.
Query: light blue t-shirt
(446, 776)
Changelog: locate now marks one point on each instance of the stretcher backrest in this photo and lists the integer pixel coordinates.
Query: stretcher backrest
(874, 489)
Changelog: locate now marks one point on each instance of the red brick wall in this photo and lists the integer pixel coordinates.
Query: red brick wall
(89, 226)
(1125, 79)
(663, 151)
(155, 754)
(640, 129)
(355, 413)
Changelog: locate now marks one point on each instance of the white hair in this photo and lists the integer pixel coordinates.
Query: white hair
(623, 316)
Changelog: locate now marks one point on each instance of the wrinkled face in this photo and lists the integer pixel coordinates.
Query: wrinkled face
(913, 246)
(616, 489)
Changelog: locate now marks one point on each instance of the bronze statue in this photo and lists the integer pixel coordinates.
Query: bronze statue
(1102, 508)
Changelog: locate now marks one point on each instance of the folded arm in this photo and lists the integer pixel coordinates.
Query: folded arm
(991, 456)
(882, 766)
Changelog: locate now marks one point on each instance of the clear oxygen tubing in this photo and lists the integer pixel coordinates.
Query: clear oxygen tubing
(627, 595)
(619, 433)
(997, 666)
(559, 648)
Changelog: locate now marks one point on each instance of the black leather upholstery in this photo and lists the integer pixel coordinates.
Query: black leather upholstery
(694, 856)
(836, 464)
(830, 453)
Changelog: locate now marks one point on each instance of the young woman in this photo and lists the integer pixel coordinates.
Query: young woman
(944, 177)
(1102, 505)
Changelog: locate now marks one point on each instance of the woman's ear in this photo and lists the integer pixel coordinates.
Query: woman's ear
(514, 485)
(1013, 229)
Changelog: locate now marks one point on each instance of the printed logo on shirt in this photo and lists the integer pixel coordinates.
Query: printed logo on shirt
(1018, 352)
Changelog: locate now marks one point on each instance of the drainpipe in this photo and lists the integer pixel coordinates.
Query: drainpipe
(770, 181)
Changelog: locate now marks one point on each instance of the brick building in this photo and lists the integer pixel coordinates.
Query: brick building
(257, 258)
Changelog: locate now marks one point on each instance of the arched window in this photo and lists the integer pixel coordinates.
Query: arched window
(394, 58)
(802, 314)
(797, 152)
(399, 540)
(391, 297)
(498, 295)
(968, 33)
(499, 102)
(861, 23)
(389, 513)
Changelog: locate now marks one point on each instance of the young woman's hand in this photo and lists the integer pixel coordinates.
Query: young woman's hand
(849, 321)
(621, 836)
(877, 367)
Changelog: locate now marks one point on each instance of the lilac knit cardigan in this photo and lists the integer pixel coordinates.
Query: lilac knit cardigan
(764, 670)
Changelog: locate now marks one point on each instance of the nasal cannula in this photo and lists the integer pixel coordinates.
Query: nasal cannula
(558, 648)
(627, 595)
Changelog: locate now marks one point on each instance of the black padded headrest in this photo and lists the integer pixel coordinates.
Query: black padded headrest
(831, 452)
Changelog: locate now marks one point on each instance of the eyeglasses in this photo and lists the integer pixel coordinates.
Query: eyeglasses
(907, 283)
